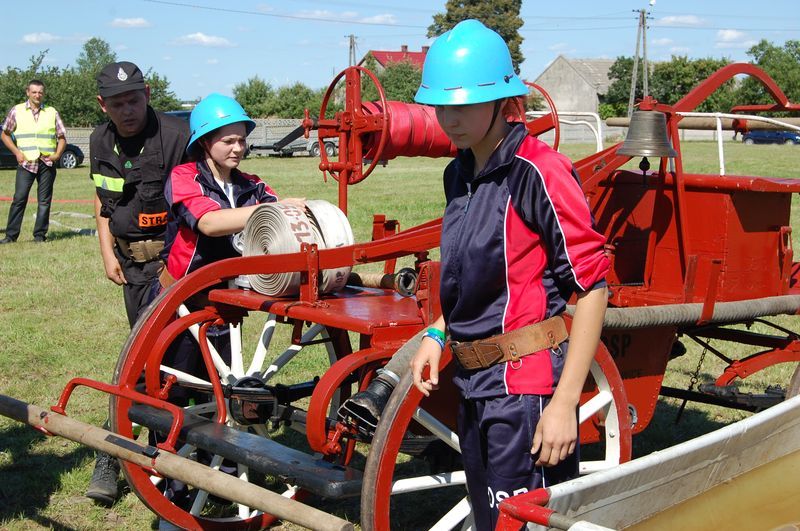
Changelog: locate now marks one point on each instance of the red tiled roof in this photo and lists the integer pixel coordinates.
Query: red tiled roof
(385, 57)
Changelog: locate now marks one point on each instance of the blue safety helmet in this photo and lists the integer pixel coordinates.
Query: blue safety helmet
(468, 64)
(215, 111)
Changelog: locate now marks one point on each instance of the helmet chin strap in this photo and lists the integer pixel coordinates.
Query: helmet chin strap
(495, 112)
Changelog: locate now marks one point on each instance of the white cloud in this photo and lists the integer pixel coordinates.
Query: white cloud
(681, 20)
(167, 58)
(730, 35)
(385, 18)
(120, 47)
(680, 50)
(138, 22)
(201, 39)
(662, 42)
(213, 61)
(264, 8)
(731, 38)
(40, 38)
(558, 46)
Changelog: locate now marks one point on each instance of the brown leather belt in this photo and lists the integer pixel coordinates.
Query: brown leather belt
(165, 278)
(142, 251)
(510, 346)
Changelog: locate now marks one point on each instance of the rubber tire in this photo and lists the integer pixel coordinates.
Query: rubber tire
(330, 149)
(748, 141)
(314, 151)
(68, 160)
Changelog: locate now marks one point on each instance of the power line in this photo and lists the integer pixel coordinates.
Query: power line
(276, 15)
(521, 30)
(718, 15)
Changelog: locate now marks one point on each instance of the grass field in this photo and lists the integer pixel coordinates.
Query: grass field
(61, 318)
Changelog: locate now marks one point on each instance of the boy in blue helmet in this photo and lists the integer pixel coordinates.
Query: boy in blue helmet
(517, 242)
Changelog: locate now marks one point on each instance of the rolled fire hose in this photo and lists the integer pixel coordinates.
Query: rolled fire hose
(277, 228)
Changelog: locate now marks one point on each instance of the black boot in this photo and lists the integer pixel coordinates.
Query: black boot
(363, 410)
(103, 487)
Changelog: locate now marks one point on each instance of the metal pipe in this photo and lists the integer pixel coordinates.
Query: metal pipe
(171, 465)
(689, 314)
(730, 122)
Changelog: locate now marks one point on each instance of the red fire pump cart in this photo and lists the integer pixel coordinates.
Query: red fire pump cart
(691, 255)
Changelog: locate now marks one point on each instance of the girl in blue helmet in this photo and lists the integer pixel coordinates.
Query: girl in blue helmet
(209, 201)
(517, 243)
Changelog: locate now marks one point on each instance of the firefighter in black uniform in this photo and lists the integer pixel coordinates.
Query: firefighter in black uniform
(131, 156)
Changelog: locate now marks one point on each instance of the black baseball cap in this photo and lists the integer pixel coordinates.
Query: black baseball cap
(120, 77)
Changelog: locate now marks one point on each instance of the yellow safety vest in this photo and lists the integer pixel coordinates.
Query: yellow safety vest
(35, 137)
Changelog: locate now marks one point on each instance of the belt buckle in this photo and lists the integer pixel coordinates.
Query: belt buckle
(488, 353)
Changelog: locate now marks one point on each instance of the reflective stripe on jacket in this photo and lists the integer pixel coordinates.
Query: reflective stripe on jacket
(35, 137)
(131, 197)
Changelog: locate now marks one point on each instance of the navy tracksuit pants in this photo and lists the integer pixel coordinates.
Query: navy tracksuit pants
(496, 435)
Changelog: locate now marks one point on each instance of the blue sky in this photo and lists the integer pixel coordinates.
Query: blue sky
(205, 46)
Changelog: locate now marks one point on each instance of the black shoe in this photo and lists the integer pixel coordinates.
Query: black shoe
(39, 239)
(103, 487)
(6, 240)
(363, 410)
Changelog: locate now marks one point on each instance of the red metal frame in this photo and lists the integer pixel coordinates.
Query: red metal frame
(665, 242)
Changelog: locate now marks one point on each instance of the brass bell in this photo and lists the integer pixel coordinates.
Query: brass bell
(647, 136)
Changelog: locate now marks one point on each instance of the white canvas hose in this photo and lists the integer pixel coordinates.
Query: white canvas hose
(276, 228)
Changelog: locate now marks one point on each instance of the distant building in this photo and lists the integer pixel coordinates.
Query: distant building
(384, 57)
(576, 84)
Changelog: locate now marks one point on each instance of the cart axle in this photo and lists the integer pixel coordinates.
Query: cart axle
(258, 453)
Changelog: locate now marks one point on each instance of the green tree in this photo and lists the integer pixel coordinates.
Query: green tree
(256, 96)
(161, 97)
(500, 15)
(782, 63)
(616, 97)
(400, 81)
(669, 82)
(368, 90)
(14, 81)
(292, 100)
(95, 54)
(674, 79)
(73, 90)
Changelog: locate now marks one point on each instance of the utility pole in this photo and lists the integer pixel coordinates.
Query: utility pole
(641, 38)
(352, 50)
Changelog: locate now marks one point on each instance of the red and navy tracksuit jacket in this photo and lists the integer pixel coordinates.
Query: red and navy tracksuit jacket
(191, 192)
(517, 242)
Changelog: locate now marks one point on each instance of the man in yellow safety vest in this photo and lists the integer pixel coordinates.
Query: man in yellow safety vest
(35, 134)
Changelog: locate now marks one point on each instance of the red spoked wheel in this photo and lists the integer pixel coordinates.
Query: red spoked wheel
(396, 491)
(547, 122)
(265, 363)
(353, 124)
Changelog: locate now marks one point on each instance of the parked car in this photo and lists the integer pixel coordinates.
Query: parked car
(772, 137)
(72, 157)
(183, 115)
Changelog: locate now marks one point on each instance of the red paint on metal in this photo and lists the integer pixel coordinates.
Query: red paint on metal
(674, 237)
(527, 507)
